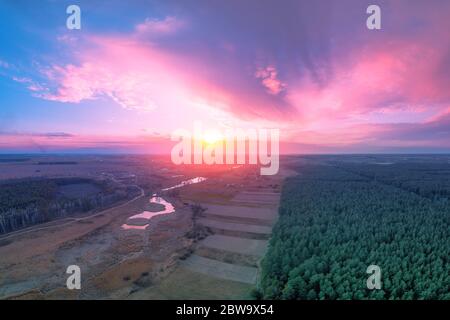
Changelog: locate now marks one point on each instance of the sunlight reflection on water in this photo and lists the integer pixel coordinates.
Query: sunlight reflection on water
(168, 207)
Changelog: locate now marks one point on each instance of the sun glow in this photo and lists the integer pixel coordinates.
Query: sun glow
(211, 137)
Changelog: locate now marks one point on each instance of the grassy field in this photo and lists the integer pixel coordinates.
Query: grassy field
(185, 284)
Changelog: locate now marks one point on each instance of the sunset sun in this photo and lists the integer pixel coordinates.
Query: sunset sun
(211, 137)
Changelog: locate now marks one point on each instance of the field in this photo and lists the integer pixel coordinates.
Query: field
(219, 249)
(227, 257)
(235, 244)
(184, 284)
(227, 271)
(307, 233)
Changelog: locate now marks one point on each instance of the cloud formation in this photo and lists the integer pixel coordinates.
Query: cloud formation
(270, 80)
(154, 27)
(311, 67)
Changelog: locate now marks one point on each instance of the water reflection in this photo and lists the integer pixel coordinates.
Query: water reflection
(128, 227)
(185, 183)
(168, 207)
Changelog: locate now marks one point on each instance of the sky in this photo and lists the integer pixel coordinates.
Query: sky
(138, 70)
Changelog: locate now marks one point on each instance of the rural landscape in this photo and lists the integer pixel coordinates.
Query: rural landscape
(141, 228)
(137, 226)
(232, 153)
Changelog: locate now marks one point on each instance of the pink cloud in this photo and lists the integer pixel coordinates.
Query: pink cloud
(364, 96)
(390, 79)
(31, 84)
(151, 78)
(167, 26)
(145, 77)
(444, 114)
(134, 76)
(269, 79)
